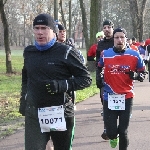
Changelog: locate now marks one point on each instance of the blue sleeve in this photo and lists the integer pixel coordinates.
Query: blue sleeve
(140, 64)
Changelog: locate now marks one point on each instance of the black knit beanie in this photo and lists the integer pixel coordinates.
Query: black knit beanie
(120, 30)
(45, 19)
(108, 22)
(61, 27)
(133, 39)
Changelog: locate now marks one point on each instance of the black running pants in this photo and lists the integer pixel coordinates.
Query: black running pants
(110, 121)
(36, 140)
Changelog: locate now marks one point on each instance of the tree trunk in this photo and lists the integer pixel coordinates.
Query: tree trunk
(56, 9)
(134, 16)
(91, 66)
(6, 38)
(99, 14)
(137, 15)
(94, 15)
(84, 23)
(141, 19)
(70, 18)
(62, 14)
(93, 21)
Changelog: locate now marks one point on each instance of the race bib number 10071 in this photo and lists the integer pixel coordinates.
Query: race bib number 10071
(52, 118)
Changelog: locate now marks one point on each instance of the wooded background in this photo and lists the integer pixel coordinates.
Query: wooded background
(82, 19)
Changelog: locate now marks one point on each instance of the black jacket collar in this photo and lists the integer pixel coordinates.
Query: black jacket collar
(117, 51)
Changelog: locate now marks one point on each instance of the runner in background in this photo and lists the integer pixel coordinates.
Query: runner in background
(62, 38)
(142, 49)
(131, 45)
(135, 42)
(104, 44)
(91, 56)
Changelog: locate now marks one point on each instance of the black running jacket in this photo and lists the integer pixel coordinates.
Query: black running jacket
(60, 62)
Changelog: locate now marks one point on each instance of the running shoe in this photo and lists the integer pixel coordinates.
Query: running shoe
(114, 142)
(104, 136)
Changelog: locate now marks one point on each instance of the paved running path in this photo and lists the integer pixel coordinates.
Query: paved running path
(89, 125)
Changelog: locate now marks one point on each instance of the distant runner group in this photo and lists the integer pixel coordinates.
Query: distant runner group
(119, 61)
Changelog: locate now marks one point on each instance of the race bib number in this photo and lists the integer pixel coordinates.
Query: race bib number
(52, 118)
(116, 102)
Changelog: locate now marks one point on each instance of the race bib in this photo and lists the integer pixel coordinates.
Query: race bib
(52, 118)
(116, 102)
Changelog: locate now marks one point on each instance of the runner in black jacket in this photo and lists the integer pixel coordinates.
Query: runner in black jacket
(46, 79)
(104, 44)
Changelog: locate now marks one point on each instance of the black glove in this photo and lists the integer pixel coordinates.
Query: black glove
(132, 75)
(56, 86)
(141, 76)
(136, 75)
(146, 62)
(22, 105)
(100, 82)
(99, 77)
(99, 85)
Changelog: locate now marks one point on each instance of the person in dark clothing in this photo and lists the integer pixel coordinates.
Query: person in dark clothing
(61, 35)
(46, 79)
(142, 48)
(147, 59)
(121, 66)
(104, 44)
(70, 41)
(62, 38)
(135, 42)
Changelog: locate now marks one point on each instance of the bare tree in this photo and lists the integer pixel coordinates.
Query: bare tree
(84, 23)
(62, 14)
(94, 27)
(70, 18)
(99, 14)
(137, 15)
(6, 37)
(56, 9)
(93, 20)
